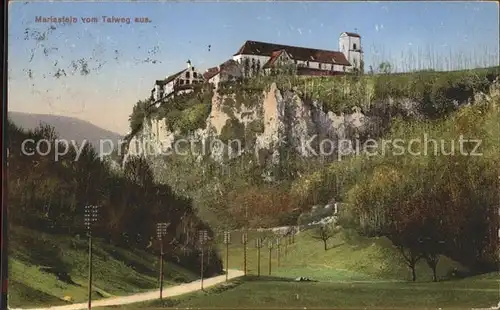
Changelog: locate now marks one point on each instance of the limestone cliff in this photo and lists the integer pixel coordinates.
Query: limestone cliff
(258, 121)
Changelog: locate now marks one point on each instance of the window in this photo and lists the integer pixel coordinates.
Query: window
(307, 63)
(187, 82)
(319, 65)
(188, 74)
(195, 75)
(354, 46)
(181, 82)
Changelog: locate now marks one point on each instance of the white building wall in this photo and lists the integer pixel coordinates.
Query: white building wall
(351, 47)
(156, 93)
(189, 76)
(324, 66)
(312, 64)
(339, 68)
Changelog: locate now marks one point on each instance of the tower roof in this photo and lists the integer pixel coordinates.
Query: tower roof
(352, 34)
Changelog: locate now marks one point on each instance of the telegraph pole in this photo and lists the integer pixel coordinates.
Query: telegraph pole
(91, 214)
(258, 245)
(286, 245)
(278, 249)
(161, 231)
(244, 241)
(203, 236)
(227, 240)
(270, 245)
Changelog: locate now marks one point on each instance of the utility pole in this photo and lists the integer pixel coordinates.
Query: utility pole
(287, 241)
(227, 240)
(244, 241)
(161, 231)
(270, 245)
(258, 244)
(278, 249)
(91, 214)
(498, 209)
(203, 236)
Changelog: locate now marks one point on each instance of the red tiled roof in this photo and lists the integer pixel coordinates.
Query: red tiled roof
(274, 56)
(295, 52)
(211, 72)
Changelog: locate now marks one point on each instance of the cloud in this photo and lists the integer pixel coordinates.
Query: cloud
(379, 27)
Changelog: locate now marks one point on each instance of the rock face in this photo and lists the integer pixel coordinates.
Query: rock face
(283, 118)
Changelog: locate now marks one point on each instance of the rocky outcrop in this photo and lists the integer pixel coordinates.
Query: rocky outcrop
(282, 118)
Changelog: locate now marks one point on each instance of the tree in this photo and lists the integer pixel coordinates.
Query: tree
(385, 67)
(431, 249)
(258, 67)
(407, 241)
(324, 233)
(246, 67)
(254, 67)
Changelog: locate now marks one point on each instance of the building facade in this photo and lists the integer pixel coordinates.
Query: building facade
(350, 46)
(177, 83)
(260, 57)
(230, 70)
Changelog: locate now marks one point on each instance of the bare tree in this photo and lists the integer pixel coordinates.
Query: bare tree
(324, 233)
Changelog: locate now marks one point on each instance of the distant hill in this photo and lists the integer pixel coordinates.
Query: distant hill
(68, 128)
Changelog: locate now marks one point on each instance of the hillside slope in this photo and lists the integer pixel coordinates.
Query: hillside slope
(46, 269)
(350, 257)
(68, 128)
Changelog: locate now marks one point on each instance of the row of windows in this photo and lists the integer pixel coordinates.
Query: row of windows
(188, 74)
(353, 47)
(187, 82)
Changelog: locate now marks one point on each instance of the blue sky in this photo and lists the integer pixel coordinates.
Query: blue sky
(120, 56)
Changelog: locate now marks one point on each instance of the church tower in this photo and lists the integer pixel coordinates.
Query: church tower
(350, 46)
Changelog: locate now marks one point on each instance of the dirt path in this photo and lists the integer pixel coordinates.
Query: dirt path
(167, 292)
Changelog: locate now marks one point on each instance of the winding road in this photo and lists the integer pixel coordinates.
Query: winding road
(141, 297)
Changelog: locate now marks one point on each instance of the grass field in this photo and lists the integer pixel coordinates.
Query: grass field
(45, 268)
(267, 292)
(349, 257)
(355, 272)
